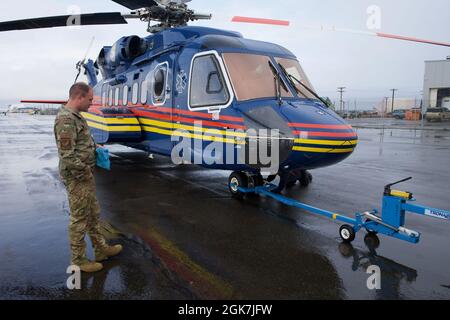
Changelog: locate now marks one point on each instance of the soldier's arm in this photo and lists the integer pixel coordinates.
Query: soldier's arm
(66, 135)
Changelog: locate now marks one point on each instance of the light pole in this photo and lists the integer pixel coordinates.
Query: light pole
(341, 91)
(393, 98)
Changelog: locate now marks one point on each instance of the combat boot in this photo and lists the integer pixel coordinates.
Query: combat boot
(109, 251)
(90, 267)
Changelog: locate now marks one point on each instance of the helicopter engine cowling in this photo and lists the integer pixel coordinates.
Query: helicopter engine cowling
(116, 59)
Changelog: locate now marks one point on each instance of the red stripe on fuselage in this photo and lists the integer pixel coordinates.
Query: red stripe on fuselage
(191, 113)
(208, 116)
(156, 116)
(98, 111)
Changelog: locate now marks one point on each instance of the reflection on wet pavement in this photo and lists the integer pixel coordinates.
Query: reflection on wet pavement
(392, 273)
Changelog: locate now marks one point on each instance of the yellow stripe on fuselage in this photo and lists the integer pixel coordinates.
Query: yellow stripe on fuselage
(113, 128)
(190, 135)
(328, 142)
(322, 150)
(171, 125)
(115, 120)
(169, 129)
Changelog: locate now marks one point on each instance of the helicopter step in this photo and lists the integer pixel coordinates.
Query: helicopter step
(391, 223)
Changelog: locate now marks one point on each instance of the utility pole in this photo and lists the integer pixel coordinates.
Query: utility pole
(341, 90)
(393, 98)
(386, 99)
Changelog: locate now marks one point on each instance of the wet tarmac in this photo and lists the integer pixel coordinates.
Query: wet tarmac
(186, 238)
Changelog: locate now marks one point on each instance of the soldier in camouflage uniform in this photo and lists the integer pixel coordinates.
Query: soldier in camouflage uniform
(76, 150)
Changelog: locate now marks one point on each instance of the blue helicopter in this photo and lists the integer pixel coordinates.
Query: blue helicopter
(208, 85)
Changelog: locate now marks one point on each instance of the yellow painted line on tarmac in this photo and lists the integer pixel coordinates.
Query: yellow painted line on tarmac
(203, 281)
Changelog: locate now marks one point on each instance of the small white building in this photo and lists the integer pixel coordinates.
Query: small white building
(436, 87)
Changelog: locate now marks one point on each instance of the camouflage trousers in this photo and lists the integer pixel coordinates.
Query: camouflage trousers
(84, 218)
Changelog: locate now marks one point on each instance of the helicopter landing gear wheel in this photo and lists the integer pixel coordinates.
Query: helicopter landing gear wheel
(292, 181)
(305, 178)
(237, 179)
(347, 233)
(255, 180)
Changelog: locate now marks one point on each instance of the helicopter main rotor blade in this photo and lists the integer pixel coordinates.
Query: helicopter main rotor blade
(136, 4)
(64, 21)
(260, 21)
(397, 37)
(334, 29)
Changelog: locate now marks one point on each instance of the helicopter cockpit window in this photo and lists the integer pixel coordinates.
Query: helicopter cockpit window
(294, 69)
(207, 83)
(135, 93)
(252, 76)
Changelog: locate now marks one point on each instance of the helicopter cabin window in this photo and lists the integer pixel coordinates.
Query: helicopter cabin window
(208, 86)
(104, 95)
(159, 84)
(135, 93)
(104, 98)
(110, 97)
(294, 69)
(125, 95)
(252, 77)
(144, 92)
(116, 96)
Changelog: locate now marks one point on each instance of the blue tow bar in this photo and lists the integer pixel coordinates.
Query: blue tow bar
(391, 222)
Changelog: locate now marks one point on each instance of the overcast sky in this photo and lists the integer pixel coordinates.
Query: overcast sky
(40, 64)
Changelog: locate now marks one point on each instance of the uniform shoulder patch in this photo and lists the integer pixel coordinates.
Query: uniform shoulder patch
(65, 124)
(66, 144)
(65, 120)
(65, 132)
(65, 135)
(66, 141)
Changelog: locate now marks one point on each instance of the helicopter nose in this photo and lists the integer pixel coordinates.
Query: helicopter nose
(307, 136)
(322, 138)
(320, 145)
